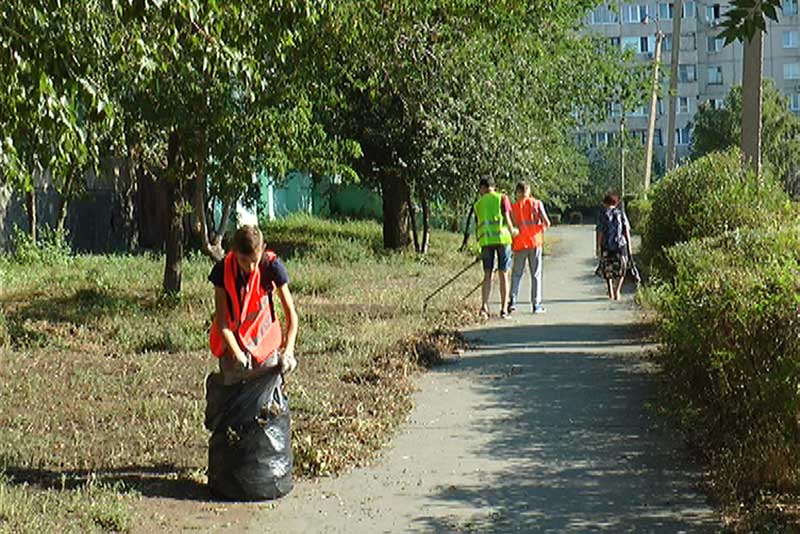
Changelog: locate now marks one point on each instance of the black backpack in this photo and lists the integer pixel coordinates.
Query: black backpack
(614, 230)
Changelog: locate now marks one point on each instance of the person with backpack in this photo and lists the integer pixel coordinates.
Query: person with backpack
(531, 218)
(613, 237)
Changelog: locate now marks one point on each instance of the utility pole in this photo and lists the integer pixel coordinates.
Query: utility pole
(622, 151)
(677, 16)
(651, 123)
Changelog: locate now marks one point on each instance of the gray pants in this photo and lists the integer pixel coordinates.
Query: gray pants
(533, 257)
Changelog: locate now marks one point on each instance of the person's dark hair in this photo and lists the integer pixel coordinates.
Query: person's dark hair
(247, 239)
(486, 182)
(521, 187)
(611, 199)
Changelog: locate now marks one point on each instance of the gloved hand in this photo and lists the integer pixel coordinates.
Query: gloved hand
(288, 362)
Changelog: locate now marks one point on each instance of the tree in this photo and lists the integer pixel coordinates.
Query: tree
(210, 101)
(747, 22)
(604, 171)
(719, 129)
(56, 109)
(441, 93)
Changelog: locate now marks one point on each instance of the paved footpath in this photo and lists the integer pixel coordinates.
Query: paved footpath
(541, 428)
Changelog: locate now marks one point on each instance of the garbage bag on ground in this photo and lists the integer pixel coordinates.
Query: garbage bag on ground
(250, 450)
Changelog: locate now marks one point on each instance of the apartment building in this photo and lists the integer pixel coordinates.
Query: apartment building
(707, 69)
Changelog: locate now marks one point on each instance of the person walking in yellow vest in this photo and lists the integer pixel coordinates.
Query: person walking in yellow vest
(531, 218)
(495, 231)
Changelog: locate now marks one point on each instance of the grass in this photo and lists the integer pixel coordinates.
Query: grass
(102, 399)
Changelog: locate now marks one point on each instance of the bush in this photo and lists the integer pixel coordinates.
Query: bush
(638, 211)
(730, 337)
(555, 218)
(711, 195)
(52, 248)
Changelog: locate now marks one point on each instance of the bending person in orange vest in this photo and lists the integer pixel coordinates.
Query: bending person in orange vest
(246, 335)
(531, 218)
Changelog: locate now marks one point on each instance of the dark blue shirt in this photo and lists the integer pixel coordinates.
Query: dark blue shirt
(273, 272)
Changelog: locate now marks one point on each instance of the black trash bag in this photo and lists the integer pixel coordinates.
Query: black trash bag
(250, 449)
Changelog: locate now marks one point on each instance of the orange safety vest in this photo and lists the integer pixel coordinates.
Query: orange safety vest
(528, 219)
(252, 323)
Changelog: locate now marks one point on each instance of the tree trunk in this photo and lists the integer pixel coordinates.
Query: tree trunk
(30, 208)
(174, 240)
(395, 211)
(467, 223)
(61, 213)
(63, 203)
(412, 210)
(127, 189)
(426, 222)
(751, 101)
(211, 249)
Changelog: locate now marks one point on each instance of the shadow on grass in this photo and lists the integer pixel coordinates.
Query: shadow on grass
(161, 481)
(82, 306)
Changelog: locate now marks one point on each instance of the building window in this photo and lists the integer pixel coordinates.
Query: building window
(644, 43)
(603, 138)
(684, 136)
(614, 41)
(687, 73)
(789, 7)
(603, 15)
(791, 71)
(715, 75)
(666, 43)
(689, 41)
(716, 103)
(634, 14)
(639, 112)
(615, 109)
(631, 43)
(791, 39)
(715, 44)
(684, 104)
(689, 11)
(713, 12)
(640, 135)
(794, 103)
(665, 11)
(657, 140)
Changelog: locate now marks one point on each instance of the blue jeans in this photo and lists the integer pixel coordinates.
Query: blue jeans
(503, 253)
(533, 257)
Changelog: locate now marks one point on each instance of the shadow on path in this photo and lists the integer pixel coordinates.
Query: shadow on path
(564, 413)
(585, 454)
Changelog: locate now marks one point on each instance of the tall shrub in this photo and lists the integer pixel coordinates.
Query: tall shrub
(730, 336)
(708, 197)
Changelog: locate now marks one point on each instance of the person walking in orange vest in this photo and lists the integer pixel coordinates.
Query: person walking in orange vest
(245, 334)
(531, 218)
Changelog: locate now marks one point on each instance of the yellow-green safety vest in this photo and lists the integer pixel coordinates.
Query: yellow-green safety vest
(492, 227)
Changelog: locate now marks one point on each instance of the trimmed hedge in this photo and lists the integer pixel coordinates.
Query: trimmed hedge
(730, 337)
(638, 211)
(708, 197)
